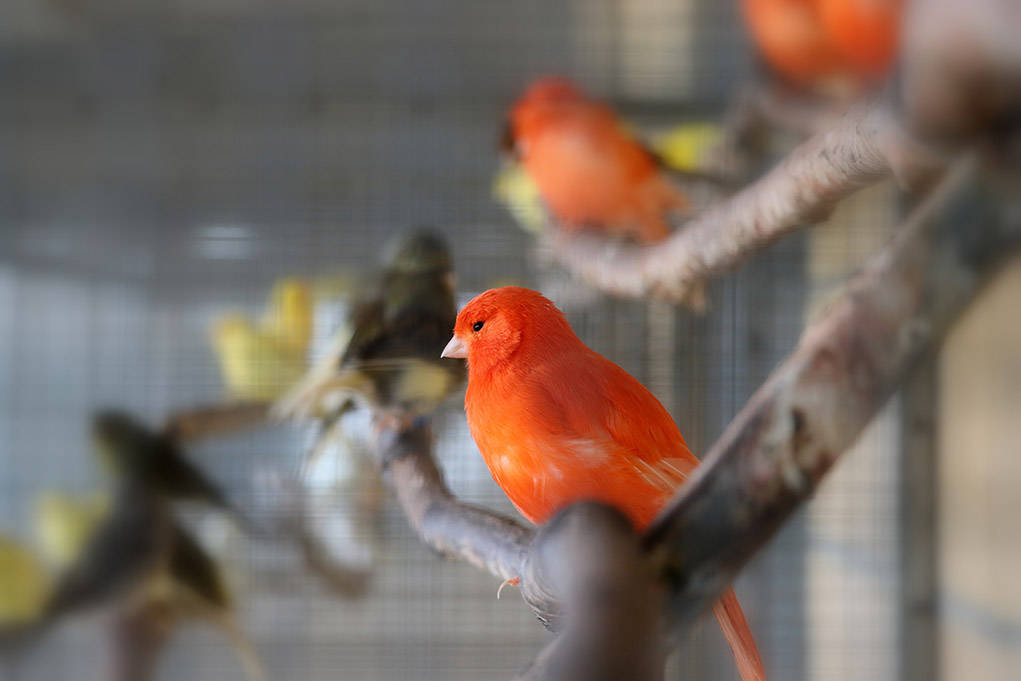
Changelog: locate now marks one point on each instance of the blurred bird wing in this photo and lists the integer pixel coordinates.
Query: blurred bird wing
(197, 589)
(191, 567)
(368, 324)
(303, 400)
(609, 399)
(123, 549)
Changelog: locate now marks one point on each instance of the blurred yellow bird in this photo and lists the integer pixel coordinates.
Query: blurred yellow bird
(24, 584)
(260, 361)
(684, 147)
(63, 523)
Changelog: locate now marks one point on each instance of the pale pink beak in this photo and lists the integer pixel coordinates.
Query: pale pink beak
(455, 348)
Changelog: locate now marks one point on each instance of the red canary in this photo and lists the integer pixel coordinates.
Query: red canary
(589, 171)
(808, 41)
(557, 423)
(791, 37)
(865, 32)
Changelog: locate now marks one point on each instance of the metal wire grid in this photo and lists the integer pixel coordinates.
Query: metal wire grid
(162, 165)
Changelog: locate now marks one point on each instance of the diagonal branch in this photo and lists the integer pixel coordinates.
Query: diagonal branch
(777, 450)
(487, 540)
(864, 147)
(774, 454)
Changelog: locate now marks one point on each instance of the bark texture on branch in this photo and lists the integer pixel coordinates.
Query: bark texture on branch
(865, 146)
(612, 600)
(814, 406)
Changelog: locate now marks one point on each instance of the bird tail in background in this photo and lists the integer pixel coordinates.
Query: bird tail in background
(250, 660)
(739, 636)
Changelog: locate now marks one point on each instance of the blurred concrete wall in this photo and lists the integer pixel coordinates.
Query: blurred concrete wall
(979, 540)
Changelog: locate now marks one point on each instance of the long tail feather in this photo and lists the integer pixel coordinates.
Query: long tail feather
(250, 660)
(739, 636)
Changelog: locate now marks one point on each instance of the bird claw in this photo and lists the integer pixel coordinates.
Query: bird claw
(513, 581)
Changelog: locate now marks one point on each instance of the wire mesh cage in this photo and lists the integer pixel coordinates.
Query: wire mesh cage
(163, 163)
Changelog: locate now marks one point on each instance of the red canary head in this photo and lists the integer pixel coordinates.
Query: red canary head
(551, 89)
(505, 323)
(541, 96)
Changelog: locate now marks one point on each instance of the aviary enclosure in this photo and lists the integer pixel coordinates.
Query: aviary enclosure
(229, 448)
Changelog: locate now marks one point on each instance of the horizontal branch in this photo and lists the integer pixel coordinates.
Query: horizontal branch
(215, 419)
(813, 407)
(865, 146)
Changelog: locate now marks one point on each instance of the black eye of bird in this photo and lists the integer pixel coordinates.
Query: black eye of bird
(477, 326)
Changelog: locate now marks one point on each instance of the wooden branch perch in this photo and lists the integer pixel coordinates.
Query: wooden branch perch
(613, 603)
(138, 637)
(766, 464)
(866, 146)
(215, 419)
(487, 540)
(814, 406)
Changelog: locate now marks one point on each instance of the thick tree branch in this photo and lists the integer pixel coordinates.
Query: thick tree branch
(866, 146)
(590, 556)
(814, 406)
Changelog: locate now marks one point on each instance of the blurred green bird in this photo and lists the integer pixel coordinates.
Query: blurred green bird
(131, 450)
(112, 565)
(390, 361)
(134, 558)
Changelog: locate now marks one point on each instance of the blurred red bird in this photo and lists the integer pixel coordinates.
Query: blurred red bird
(865, 32)
(589, 171)
(810, 41)
(557, 423)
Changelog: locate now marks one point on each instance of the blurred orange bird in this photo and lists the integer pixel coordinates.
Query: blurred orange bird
(589, 170)
(865, 32)
(557, 423)
(809, 41)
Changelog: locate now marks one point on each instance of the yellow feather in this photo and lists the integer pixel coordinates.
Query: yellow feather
(289, 315)
(515, 189)
(261, 362)
(24, 585)
(63, 524)
(685, 146)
